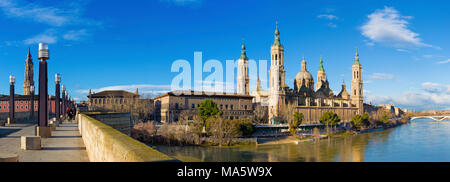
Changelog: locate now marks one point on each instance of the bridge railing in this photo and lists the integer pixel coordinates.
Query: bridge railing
(106, 144)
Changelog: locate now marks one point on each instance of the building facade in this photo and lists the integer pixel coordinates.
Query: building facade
(312, 101)
(23, 106)
(178, 105)
(121, 101)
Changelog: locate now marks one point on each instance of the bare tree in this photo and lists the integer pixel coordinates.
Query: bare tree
(261, 114)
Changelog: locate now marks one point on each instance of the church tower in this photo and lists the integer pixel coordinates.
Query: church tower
(29, 81)
(321, 78)
(357, 85)
(243, 86)
(276, 76)
(276, 63)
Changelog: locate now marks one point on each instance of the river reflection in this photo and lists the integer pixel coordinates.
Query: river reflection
(421, 140)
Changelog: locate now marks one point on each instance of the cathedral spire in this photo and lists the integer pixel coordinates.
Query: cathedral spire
(277, 35)
(243, 52)
(258, 84)
(321, 64)
(303, 68)
(29, 54)
(356, 57)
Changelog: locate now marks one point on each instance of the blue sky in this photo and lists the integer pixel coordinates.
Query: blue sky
(403, 45)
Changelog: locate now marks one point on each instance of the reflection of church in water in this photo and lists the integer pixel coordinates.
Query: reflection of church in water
(305, 98)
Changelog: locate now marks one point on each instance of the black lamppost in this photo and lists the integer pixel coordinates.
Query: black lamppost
(63, 105)
(43, 130)
(32, 102)
(12, 80)
(57, 94)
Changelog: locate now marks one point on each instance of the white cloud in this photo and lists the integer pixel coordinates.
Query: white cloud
(388, 26)
(328, 17)
(49, 36)
(443, 61)
(183, 2)
(68, 14)
(144, 89)
(382, 76)
(436, 96)
(75, 34)
(332, 25)
(402, 50)
(30, 11)
(432, 87)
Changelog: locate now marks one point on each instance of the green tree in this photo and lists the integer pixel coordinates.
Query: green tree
(242, 128)
(360, 120)
(329, 118)
(366, 119)
(357, 121)
(295, 123)
(385, 119)
(207, 110)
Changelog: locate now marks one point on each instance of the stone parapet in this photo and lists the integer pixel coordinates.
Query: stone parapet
(106, 144)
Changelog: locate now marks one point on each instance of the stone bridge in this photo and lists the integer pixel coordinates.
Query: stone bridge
(435, 118)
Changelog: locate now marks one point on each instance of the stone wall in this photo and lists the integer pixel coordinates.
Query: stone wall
(118, 121)
(311, 115)
(105, 144)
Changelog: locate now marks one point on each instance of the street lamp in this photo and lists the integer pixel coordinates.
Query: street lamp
(43, 130)
(63, 98)
(12, 80)
(57, 94)
(32, 102)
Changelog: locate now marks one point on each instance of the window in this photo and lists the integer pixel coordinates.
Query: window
(193, 106)
(231, 106)
(226, 106)
(245, 107)
(221, 106)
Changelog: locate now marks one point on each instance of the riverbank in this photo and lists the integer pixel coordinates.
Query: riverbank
(342, 134)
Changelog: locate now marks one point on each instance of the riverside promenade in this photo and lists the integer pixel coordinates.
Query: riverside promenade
(65, 145)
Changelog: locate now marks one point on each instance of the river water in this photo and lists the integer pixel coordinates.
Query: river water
(420, 140)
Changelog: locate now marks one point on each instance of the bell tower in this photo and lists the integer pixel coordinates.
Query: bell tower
(321, 78)
(28, 81)
(357, 85)
(243, 87)
(276, 78)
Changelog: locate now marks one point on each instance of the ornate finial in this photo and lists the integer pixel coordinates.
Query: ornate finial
(321, 63)
(277, 35)
(356, 57)
(29, 54)
(243, 53)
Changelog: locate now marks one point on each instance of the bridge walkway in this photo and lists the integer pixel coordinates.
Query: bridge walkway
(65, 145)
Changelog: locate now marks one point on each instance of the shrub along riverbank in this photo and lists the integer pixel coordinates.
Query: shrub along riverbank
(209, 128)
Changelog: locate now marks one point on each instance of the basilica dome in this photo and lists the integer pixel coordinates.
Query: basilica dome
(304, 76)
